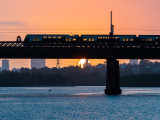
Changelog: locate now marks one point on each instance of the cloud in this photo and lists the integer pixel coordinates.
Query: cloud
(12, 23)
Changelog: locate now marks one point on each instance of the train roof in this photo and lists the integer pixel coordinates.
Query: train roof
(50, 35)
(74, 35)
(83, 35)
(105, 35)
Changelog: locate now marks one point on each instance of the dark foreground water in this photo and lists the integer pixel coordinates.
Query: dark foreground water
(78, 103)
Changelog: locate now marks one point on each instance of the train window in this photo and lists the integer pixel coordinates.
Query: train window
(69, 39)
(35, 39)
(92, 39)
(131, 39)
(123, 39)
(157, 37)
(84, 39)
(59, 37)
(116, 37)
(44, 37)
(74, 39)
(99, 37)
(149, 39)
(49, 37)
(54, 37)
(105, 37)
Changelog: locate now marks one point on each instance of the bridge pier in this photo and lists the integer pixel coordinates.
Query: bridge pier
(112, 79)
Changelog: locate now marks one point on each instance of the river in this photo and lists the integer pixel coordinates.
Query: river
(78, 103)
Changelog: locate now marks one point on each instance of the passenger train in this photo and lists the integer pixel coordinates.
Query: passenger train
(87, 38)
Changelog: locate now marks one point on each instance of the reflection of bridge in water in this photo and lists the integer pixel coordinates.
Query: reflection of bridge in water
(90, 50)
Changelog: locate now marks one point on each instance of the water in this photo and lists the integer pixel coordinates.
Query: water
(78, 103)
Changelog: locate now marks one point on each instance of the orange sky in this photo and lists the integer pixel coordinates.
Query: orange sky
(129, 17)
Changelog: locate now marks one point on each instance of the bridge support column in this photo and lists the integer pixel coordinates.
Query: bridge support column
(112, 80)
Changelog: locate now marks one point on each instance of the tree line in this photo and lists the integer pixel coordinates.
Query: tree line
(88, 76)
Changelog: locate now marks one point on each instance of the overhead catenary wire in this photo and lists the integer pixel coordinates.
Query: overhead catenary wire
(82, 29)
(55, 31)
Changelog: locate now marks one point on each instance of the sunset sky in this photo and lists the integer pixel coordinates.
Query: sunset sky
(21, 17)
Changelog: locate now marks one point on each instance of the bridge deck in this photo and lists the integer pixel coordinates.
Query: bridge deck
(91, 50)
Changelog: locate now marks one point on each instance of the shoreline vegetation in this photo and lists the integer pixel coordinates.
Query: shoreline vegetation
(145, 74)
(13, 79)
(144, 80)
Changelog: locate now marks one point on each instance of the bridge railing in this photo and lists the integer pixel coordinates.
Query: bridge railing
(118, 44)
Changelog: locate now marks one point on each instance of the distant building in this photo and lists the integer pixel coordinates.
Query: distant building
(133, 61)
(5, 64)
(58, 64)
(87, 63)
(38, 63)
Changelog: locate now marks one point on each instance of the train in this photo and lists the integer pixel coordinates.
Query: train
(87, 38)
(48, 38)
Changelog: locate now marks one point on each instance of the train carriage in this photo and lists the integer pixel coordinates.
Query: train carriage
(48, 38)
(149, 37)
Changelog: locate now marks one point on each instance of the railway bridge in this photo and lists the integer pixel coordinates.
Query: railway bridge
(111, 51)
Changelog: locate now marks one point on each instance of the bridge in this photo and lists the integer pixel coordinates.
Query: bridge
(111, 51)
(89, 50)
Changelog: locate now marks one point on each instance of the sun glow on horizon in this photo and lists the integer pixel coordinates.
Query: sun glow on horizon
(83, 62)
